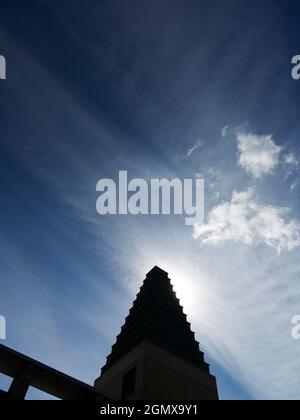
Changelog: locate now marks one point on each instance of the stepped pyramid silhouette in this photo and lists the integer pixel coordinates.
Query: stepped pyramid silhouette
(157, 316)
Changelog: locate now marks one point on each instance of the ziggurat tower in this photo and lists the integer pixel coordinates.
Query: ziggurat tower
(156, 355)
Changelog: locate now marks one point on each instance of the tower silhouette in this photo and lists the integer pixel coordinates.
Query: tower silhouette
(156, 355)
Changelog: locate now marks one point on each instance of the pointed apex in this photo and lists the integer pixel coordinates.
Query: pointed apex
(158, 271)
(157, 317)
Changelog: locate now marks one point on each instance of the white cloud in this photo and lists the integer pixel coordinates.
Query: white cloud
(291, 160)
(258, 155)
(213, 181)
(244, 220)
(294, 185)
(225, 130)
(291, 164)
(193, 149)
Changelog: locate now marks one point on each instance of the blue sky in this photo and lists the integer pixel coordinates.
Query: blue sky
(161, 89)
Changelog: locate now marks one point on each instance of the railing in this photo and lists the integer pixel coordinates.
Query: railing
(27, 373)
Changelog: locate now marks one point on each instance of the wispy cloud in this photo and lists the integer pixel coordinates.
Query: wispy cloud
(291, 160)
(258, 155)
(291, 163)
(213, 181)
(294, 185)
(225, 130)
(244, 220)
(193, 149)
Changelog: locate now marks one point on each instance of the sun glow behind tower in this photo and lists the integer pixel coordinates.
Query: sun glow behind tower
(190, 286)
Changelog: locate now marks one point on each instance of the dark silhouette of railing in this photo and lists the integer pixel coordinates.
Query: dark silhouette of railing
(27, 373)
